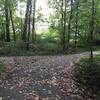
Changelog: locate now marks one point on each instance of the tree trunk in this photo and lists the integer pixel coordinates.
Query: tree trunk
(92, 28)
(76, 23)
(29, 23)
(64, 34)
(13, 27)
(7, 37)
(33, 23)
(69, 23)
(63, 24)
(24, 34)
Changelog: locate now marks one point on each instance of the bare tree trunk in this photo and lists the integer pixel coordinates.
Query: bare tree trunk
(69, 23)
(76, 30)
(92, 27)
(64, 34)
(21, 23)
(33, 23)
(2, 31)
(7, 21)
(21, 26)
(29, 23)
(13, 27)
(24, 34)
(63, 24)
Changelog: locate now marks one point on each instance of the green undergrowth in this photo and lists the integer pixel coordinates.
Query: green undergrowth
(2, 68)
(42, 47)
(87, 75)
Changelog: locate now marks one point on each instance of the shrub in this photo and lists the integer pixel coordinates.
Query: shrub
(2, 68)
(1, 44)
(87, 75)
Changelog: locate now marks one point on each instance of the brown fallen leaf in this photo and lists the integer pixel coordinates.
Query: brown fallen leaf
(46, 98)
(36, 98)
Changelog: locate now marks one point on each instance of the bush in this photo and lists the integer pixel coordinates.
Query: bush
(1, 44)
(2, 68)
(87, 75)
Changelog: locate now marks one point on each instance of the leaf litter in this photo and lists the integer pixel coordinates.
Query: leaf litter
(41, 77)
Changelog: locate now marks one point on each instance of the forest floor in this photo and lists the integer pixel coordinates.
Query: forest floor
(40, 78)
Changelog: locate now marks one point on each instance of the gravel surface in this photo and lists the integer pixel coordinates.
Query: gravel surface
(39, 78)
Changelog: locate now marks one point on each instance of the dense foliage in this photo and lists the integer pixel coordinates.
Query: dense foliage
(72, 23)
(87, 75)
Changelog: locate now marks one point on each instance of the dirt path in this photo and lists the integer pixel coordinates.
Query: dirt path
(40, 78)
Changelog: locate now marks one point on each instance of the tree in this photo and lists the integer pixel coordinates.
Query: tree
(29, 23)
(69, 23)
(92, 27)
(76, 21)
(24, 34)
(63, 23)
(33, 23)
(12, 22)
(7, 17)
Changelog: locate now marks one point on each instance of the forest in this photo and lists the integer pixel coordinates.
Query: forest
(57, 27)
(50, 49)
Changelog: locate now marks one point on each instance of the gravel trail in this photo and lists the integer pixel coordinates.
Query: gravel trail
(40, 78)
